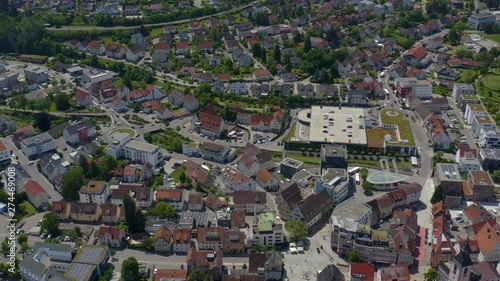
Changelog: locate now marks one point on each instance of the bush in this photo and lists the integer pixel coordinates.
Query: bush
(364, 173)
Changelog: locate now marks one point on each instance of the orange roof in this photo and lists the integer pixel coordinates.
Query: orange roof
(162, 46)
(113, 231)
(263, 175)
(2, 146)
(262, 72)
(129, 171)
(417, 52)
(435, 127)
(210, 122)
(172, 194)
(25, 129)
(181, 45)
(205, 45)
(163, 232)
(81, 94)
(366, 269)
(182, 236)
(487, 238)
(210, 234)
(33, 188)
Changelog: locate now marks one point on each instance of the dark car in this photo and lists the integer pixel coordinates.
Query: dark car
(317, 250)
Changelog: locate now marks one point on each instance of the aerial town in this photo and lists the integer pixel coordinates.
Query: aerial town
(217, 140)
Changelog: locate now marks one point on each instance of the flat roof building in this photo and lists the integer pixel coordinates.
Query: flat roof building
(38, 145)
(289, 167)
(489, 159)
(448, 175)
(354, 210)
(333, 156)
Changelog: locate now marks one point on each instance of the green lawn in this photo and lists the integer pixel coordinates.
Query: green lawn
(304, 158)
(126, 130)
(468, 75)
(374, 163)
(177, 173)
(404, 126)
(404, 166)
(493, 37)
(291, 133)
(489, 92)
(29, 209)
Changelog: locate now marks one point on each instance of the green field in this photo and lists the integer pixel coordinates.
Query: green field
(374, 163)
(304, 158)
(404, 126)
(177, 173)
(468, 75)
(29, 209)
(488, 88)
(126, 130)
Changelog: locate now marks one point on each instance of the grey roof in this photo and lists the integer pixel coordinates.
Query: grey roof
(80, 271)
(448, 172)
(292, 162)
(48, 163)
(463, 257)
(314, 205)
(91, 254)
(142, 146)
(187, 217)
(334, 150)
(73, 129)
(53, 275)
(36, 267)
(330, 273)
(40, 138)
(352, 208)
(487, 153)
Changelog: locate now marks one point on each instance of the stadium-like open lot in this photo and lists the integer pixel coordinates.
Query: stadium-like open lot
(334, 124)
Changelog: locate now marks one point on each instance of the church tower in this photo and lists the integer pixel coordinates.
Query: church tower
(460, 268)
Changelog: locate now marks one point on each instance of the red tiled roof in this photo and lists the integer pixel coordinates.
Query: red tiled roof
(33, 188)
(2, 146)
(210, 122)
(262, 72)
(206, 45)
(263, 175)
(362, 269)
(181, 45)
(168, 274)
(162, 46)
(417, 52)
(113, 231)
(81, 95)
(153, 104)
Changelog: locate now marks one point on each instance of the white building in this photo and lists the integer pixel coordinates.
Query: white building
(42, 257)
(460, 89)
(38, 145)
(266, 232)
(94, 192)
(489, 138)
(336, 184)
(420, 88)
(472, 110)
(236, 180)
(477, 21)
(4, 152)
(482, 122)
(79, 132)
(136, 151)
(142, 152)
(354, 210)
(38, 73)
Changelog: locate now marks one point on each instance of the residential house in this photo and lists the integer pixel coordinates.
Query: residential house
(36, 194)
(118, 105)
(209, 262)
(83, 98)
(207, 122)
(197, 174)
(85, 212)
(437, 132)
(234, 242)
(191, 103)
(79, 132)
(216, 152)
(94, 192)
(195, 201)
(181, 48)
(206, 47)
(112, 214)
(479, 186)
(269, 264)
(135, 53)
(236, 180)
(115, 51)
(163, 239)
(113, 237)
(266, 180)
(53, 168)
(252, 202)
(96, 48)
(262, 75)
(311, 208)
(181, 240)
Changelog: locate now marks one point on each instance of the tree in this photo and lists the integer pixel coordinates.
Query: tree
(5, 246)
(163, 210)
(277, 53)
(256, 248)
(438, 194)
(354, 256)
(43, 120)
(24, 247)
(431, 274)
(130, 211)
(23, 237)
(130, 270)
(50, 224)
(72, 182)
(62, 101)
(495, 176)
(256, 49)
(244, 266)
(307, 44)
(84, 163)
(366, 185)
(296, 229)
(199, 275)
(148, 243)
